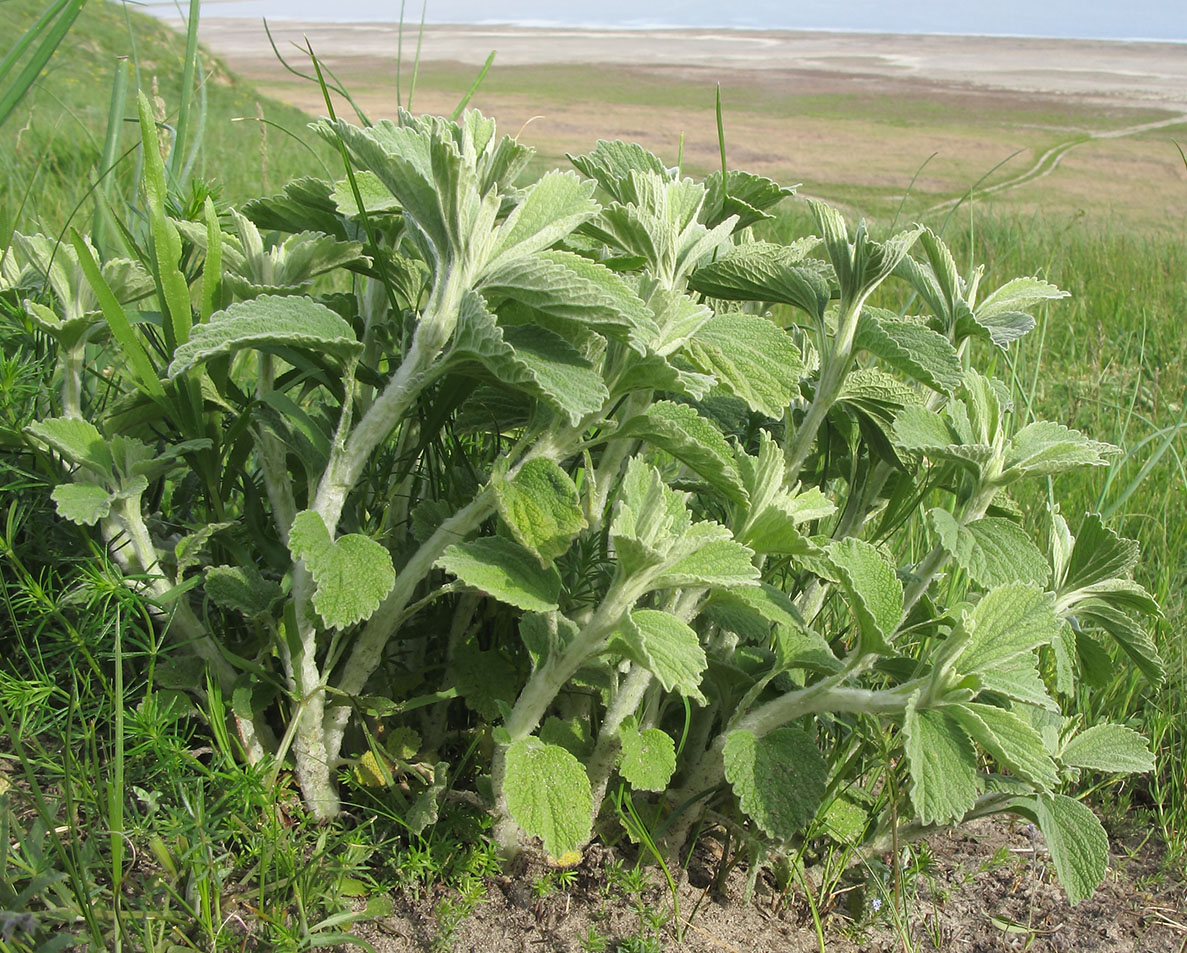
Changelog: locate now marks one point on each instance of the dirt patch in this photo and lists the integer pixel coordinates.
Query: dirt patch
(985, 889)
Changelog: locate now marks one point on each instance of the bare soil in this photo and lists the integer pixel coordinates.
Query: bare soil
(988, 888)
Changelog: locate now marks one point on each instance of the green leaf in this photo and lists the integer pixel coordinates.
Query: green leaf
(571, 288)
(742, 194)
(267, 323)
(993, 551)
(1018, 680)
(1111, 748)
(873, 591)
(761, 271)
(751, 358)
(423, 812)
(1010, 740)
(611, 163)
(679, 430)
(486, 679)
(530, 358)
(944, 782)
(911, 347)
(79, 441)
(548, 795)
(779, 779)
(541, 506)
(1005, 315)
(572, 734)
(1078, 844)
(82, 503)
(166, 242)
(1045, 448)
(666, 647)
(1009, 621)
(504, 570)
(242, 589)
(352, 574)
(551, 208)
(712, 560)
(1097, 554)
(648, 758)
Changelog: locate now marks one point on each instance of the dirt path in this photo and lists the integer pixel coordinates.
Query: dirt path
(1049, 161)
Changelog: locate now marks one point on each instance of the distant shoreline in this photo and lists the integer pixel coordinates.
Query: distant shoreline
(411, 27)
(1144, 73)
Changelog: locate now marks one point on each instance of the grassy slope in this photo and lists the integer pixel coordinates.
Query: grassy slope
(51, 147)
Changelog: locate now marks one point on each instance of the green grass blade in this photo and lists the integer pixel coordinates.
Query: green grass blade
(54, 30)
(166, 240)
(461, 106)
(189, 68)
(420, 34)
(725, 191)
(111, 144)
(29, 37)
(133, 351)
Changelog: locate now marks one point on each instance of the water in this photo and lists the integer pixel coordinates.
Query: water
(1089, 19)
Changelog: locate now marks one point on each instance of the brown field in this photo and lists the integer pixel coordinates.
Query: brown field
(1075, 128)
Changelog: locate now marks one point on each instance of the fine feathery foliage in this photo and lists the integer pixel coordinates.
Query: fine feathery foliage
(582, 475)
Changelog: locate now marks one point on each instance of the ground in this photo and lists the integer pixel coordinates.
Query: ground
(984, 889)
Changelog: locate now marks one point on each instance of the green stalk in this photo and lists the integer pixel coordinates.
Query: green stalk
(115, 789)
(177, 155)
(111, 143)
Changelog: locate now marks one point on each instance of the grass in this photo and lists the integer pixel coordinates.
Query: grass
(51, 146)
(126, 819)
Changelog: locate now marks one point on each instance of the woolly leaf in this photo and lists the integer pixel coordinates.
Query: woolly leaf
(1078, 844)
(82, 503)
(551, 208)
(944, 783)
(993, 551)
(267, 323)
(713, 560)
(648, 758)
(529, 358)
(541, 506)
(571, 288)
(1011, 741)
(779, 779)
(666, 647)
(761, 271)
(911, 347)
(751, 358)
(241, 588)
(1009, 621)
(548, 794)
(504, 570)
(690, 438)
(79, 441)
(1112, 748)
(873, 591)
(352, 574)
(1045, 448)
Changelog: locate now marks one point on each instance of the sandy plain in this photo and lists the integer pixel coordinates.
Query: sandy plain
(1074, 127)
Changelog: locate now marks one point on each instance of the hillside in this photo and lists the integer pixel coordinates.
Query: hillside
(50, 149)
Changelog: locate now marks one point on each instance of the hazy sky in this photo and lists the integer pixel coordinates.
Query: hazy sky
(1129, 19)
